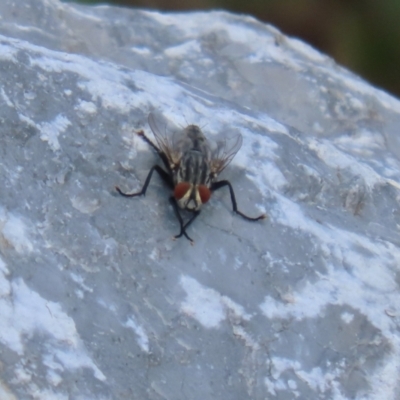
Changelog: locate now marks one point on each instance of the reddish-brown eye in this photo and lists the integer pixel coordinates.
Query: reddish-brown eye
(204, 193)
(181, 189)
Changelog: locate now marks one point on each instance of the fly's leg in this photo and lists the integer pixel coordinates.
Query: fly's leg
(218, 185)
(164, 175)
(155, 148)
(179, 217)
(148, 141)
(180, 220)
(195, 215)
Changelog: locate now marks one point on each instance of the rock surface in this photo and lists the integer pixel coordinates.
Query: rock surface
(97, 301)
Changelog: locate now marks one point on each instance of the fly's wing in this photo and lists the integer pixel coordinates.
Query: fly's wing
(166, 140)
(224, 153)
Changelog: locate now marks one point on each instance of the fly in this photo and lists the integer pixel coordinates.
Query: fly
(191, 169)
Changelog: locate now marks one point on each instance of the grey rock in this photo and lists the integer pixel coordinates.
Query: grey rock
(97, 301)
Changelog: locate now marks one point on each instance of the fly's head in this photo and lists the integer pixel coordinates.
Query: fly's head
(191, 197)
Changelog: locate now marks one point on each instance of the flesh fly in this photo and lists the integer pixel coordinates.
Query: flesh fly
(191, 169)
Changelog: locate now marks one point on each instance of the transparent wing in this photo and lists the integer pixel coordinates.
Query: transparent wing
(165, 137)
(224, 153)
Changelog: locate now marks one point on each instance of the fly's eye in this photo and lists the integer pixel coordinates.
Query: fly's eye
(181, 189)
(204, 193)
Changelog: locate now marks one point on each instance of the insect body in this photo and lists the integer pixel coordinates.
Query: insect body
(192, 168)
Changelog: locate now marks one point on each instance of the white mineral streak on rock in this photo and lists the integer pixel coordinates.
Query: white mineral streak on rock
(50, 131)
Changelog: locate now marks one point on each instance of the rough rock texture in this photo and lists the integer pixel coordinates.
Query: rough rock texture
(97, 301)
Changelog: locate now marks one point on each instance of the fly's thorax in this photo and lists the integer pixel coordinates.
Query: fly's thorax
(194, 167)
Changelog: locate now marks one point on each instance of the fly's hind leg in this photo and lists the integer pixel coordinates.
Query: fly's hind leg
(218, 185)
(148, 141)
(162, 155)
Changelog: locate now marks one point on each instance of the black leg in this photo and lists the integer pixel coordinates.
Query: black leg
(164, 175)
(195, 215)
(218, 185)
(163, 157)
(183, 227)
(148, 141)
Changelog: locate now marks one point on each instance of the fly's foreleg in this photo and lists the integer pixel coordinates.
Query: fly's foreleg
(164, 176)
(218, 185)
(195, 215)
(179, 217)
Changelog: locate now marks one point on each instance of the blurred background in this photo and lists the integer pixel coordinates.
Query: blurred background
(362, 35)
